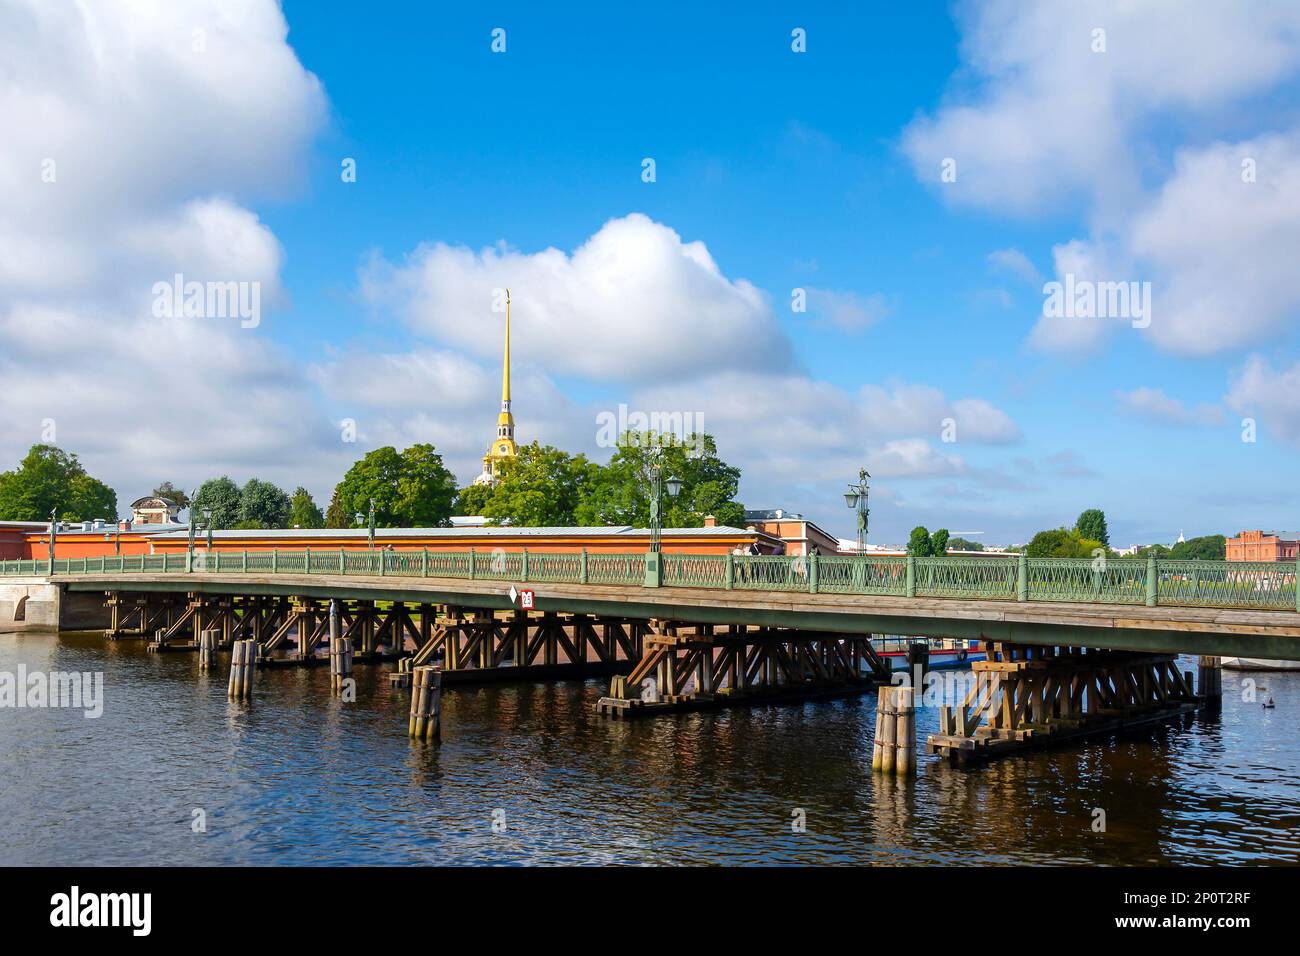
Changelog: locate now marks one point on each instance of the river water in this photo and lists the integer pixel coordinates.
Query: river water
(529, 774)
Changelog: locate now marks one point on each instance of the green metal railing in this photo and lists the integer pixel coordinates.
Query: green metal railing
(1228, 584)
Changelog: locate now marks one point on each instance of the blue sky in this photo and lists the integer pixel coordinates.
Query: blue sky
(817, 170)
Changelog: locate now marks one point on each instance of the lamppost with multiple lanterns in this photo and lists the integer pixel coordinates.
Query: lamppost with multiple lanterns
(856, 498)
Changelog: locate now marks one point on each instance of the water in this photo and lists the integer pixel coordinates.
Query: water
(300, 778)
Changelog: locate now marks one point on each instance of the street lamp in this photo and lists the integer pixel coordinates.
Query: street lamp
(54, 532)
(370, 523)
(207, 523)
(658, 484)
(856, 498)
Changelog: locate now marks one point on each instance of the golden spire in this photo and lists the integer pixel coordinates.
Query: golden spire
(505, 366)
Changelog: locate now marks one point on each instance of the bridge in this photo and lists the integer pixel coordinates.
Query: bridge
(1075, 645)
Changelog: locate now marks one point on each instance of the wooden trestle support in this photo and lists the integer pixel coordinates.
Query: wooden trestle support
(477, 645)
(699, 666)
(1030, 696)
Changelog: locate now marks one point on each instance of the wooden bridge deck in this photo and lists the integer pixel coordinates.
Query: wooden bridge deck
(1187, 630)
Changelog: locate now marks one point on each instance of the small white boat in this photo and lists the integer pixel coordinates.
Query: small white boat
(1257, 664)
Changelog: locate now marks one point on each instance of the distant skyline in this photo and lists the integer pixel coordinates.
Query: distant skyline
(914, 180)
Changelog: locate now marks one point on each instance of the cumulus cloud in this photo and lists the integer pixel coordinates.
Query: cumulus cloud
(1272, 396)
(1038, 114)
(1154, 405)
(792, 428)
(1041, 117)
(130, 131)
(634, 299)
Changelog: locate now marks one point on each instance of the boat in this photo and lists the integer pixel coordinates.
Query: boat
(1257, 664)
(944, 655)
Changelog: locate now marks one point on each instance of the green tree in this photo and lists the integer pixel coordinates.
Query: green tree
(263, 505)
(918, 545)
(1210, 547)
(412, 489)
(964, 544)
(1092, 525)
(49, 478)
(222, 497)
(334, 516)
(619, 492)
(303, 512)
(1062, 543)
(473, 500)
(939, 543)
(541, 487)
(172, 493)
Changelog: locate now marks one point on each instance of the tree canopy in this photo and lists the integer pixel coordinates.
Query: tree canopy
(964, 544)
(1063, 543)
(303, 512)
(541, 487)
(619, 492)
(923, 544)
(1092, 526)
(411, 489)
(221, 496)
(1210, 547)
(263, 505)
(172, 493)
(50, 479)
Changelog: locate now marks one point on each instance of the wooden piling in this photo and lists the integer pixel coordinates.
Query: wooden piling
(426, 704)
(340, 651)
(243, 659)
(891, 750)
(904, 735)
(208, 648)
(877, 747)
(1209, 682)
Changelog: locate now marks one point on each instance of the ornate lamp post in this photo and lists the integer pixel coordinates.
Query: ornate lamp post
(370, 524)
(856, 498)
(54, 533)
(658, 485)
(207, 524)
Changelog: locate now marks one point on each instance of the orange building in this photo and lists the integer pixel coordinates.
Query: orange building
(617, 539)
(800, 535)
(31, 539)
(1263, 546)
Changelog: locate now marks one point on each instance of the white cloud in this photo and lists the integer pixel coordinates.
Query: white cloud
(151, 141)
(1154, 405)
(1224, 251)
(1037, 115)
(1017, 263)
(1271, 396)
(1036, 119)
(634, 300)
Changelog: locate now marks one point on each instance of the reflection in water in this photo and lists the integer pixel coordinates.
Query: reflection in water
(299, 777)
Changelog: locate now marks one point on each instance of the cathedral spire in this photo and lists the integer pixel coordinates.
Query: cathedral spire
(503, 445)
(505, 365)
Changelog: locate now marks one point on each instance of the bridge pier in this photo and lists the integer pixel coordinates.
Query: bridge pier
(696, 667)
(1032, 696)
(139, 616)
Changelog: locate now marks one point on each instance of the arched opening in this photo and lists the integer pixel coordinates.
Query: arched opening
(20, 609)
